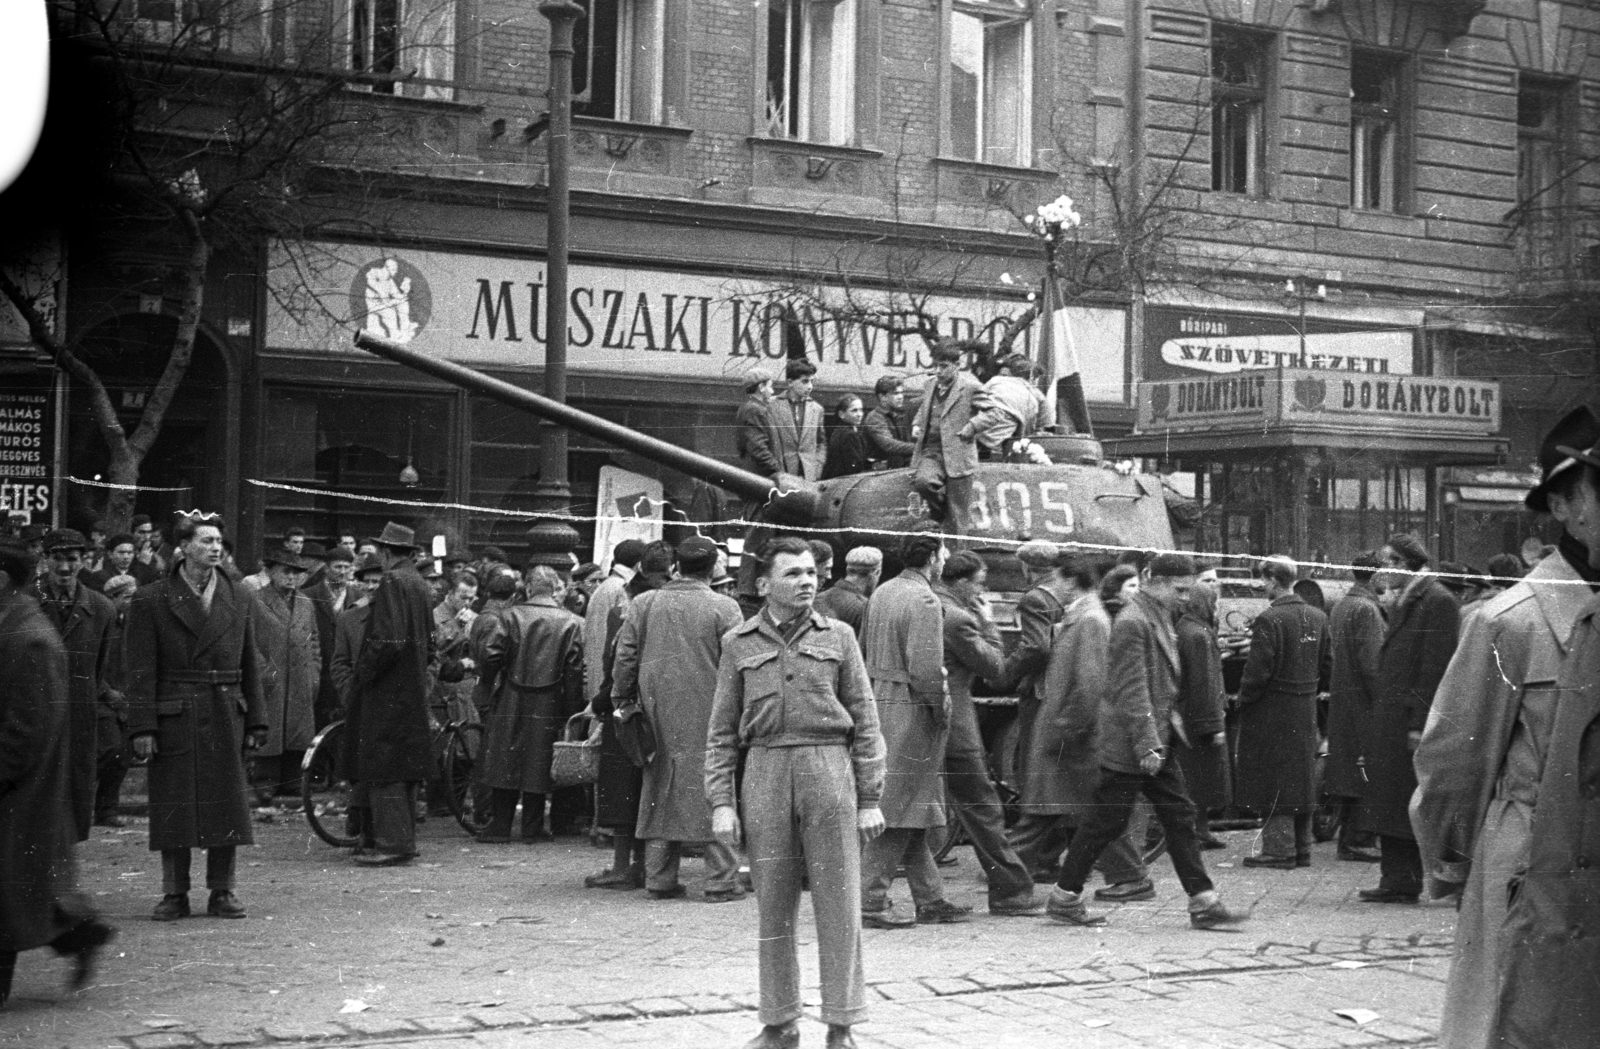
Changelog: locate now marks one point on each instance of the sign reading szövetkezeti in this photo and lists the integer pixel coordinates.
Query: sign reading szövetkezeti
(1184, 343)
(27, 445)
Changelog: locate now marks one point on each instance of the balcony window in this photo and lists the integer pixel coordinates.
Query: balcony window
(1542, 117)
(616, 69)
(1376, 130)
(1239, 88)
(811, 70)
(991, 88)
(411, 41)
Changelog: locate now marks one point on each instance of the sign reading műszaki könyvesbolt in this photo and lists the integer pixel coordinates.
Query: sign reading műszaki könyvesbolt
(1299, 396)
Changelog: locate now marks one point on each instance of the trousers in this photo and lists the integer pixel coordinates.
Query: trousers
(220, 867)
(1286, 836)
(883, 856)
(111, 767)
(663, 858)
(966, 777)
(949, 498)
(393, 815)
(1113, 802)
(1400, 864)
(800, 821)
(1041, 839)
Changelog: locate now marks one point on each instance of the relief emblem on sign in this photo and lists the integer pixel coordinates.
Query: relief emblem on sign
(1309, 394)
(391, 299)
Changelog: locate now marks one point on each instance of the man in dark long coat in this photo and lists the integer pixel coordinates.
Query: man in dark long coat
(1287, 667)
(38, 901)
(1357, 630)
(289, 638)
(86, 622)
(386, 742)
(534, 651)
(1202, 747)
(1417, 649)
(194, 701)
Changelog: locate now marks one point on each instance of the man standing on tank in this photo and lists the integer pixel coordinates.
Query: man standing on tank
(793, 698)
(945, 461)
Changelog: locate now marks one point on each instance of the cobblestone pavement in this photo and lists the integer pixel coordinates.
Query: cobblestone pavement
(479, 946)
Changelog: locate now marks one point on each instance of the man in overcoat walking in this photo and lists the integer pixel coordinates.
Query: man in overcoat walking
(1490, 733)
(903, 646)
(1356, 628)
(793, 698)
(1417, 647)
(386, 740)
(86, 622)
(289, 638)
(39, 901)
(194, 705)
(1547, 994)
(944, 461)
(667, 651)
(1286, 668)
(534, 652)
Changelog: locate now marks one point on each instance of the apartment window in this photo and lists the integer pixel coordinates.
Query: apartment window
(1541, 132)
(616, 70)
(991, 89)
(412, 41)
(811, 70)
(1239, 86)
(1376, 131)
(238, 26)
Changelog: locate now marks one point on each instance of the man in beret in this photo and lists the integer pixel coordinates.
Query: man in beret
(86, 622)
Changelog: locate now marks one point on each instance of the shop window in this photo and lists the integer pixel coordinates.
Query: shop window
(411, 41)
(360, 443)
(1239, 96)
(1542, 119)
(811, 70)
(991, 84)
(618, 57)
(1377, 131)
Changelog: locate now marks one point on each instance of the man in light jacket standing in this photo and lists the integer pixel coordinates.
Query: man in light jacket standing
(1489, 734)
(903, 645)
(799, 442)
(944, 460)
(668, 650)
(1134, 756)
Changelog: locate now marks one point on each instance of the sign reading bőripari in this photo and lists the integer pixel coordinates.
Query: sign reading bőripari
(1304, 397)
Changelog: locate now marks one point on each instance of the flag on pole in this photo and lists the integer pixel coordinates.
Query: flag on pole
(1058, 357)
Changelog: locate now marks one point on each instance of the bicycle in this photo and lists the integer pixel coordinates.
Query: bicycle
(325, 789)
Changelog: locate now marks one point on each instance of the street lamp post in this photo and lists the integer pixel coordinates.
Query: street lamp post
(1300, 291)
(553, 539)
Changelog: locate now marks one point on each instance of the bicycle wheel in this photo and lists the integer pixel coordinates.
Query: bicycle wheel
(467, 800)
(325, 791)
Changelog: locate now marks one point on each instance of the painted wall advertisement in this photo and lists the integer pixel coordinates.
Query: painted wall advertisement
(490, 312)
(1185, 343)
(28, 446)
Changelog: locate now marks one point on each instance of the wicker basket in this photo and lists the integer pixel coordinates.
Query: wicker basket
(577, 755)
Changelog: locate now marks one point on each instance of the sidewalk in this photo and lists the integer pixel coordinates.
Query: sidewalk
(481, 946)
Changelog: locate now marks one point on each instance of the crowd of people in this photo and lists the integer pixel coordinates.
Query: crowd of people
(818, 736)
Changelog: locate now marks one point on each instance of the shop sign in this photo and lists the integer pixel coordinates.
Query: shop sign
(628, 506)
(1180, 343)
(490, 312)
(1306, 397)
(27, 446)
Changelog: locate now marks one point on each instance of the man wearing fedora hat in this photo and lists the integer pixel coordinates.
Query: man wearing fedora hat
(386, 742)
(86, 622)
(289, 640)
(1486, 741)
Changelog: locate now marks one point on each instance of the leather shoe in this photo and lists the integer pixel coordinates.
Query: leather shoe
(1277, 863)
(1215, 916)
(1208, 842)
(610, 878)
(890, 917)
(376, 858)
(1067, 908)
(171, 908)
(1127, 891)
(83, 941)
(224, 904)
(1019, 906)
(674, 893)
(943, 912)
(780, 1036)
(1383, 895)
(1302, 859)
(1048, 876)
(1358, 855)
(724, 895)
(112, 820)
(839, 1037)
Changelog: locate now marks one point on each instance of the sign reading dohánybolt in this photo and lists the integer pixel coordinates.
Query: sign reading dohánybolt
(490, 312)
(27, 445)
(1303, 397)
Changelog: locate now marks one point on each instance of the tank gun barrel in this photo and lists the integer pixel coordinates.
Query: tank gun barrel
(790, 506)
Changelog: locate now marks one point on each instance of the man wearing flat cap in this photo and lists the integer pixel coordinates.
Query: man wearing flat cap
(1489, 733)
(1552, 957)
(946, 454)
(86, 622)
(667, 655)
(846, 600)
(386, 741)
(289, 638)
